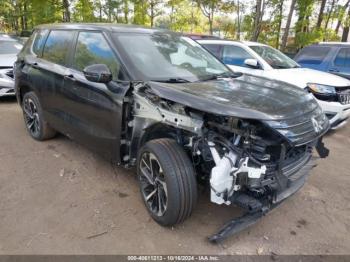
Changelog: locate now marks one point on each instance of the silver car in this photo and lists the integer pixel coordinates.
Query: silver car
(9, 48)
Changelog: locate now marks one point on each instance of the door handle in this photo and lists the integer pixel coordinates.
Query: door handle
(333, 70)
(35, 65)
(69, 77)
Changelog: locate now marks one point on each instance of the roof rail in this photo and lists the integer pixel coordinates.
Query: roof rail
(333, 43)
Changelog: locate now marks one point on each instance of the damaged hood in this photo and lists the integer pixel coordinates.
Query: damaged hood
(247, 97)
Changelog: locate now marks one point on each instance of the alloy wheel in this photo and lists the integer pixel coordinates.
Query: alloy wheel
(153, 185)
(31, 116)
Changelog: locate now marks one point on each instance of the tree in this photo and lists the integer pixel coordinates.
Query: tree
(341, 12)
(303, 34)
(278, 17)
(84, 11)
(208, 8)
(259, 13)
(320, 14)
(286, 30)
(154, 9)
(140, 12)
(66, 11)
(345, 34)
(126, 11)
(329, 14)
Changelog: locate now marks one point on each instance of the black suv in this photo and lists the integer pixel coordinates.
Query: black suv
(157, 100)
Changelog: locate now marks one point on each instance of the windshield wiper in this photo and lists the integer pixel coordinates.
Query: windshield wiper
(222, 75)
(172, 80)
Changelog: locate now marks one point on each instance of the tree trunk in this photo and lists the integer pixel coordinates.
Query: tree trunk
(286, 31)
(66, 12)
(345, 35)
(279, 23)
(340, 18)
(152, 13)
(238, 21)
(100, 10)
(210, 20)
(257, 20)
(329, 15)
(320, 14)
(126, 11)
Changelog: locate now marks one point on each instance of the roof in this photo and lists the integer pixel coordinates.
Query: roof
(104, 27)
(201, 36)
(333, 43)
(225, 41)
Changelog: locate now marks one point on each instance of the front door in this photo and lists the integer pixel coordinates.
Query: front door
(94, 110)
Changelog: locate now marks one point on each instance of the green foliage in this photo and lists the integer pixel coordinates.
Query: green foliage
(84, 11)
(196, 16)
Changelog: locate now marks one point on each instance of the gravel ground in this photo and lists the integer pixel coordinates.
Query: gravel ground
(56, 197)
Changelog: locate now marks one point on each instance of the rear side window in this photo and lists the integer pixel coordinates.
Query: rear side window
(92, 48)
(214, 49)
(39, 41)
(313, 55)
(234, 55)
(57, 46)
(343, 58)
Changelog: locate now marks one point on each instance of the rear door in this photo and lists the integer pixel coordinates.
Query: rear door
(341, 63)
(47, 75)
(94, 110)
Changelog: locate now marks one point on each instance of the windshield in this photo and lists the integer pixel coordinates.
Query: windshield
(274, 58)
(161, 57)
(9, 47)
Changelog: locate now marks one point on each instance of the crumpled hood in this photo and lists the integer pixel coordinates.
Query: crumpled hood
(247, 97)
(7, 60)
(302, 76)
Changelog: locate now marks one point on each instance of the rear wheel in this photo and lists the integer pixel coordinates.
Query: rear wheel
(34, 120)
(167, 181)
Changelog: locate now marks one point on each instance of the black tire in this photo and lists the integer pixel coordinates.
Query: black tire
(177, 172)
(34, 120)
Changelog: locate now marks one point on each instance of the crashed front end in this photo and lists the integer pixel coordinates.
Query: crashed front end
(256, 165)
(252, 163)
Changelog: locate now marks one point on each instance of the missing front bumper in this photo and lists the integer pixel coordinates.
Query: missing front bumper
(257, 208)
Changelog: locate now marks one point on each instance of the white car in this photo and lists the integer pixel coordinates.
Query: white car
(9, 48)
(332, 92)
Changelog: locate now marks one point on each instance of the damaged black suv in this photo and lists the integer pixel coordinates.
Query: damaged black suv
(156, 100)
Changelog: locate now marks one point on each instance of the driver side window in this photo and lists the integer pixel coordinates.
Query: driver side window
(234, 55)
(92, 48)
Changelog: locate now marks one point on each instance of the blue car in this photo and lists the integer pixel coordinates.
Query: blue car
(328, 57)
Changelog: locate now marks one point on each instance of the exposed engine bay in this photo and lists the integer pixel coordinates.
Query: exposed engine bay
(243, 162)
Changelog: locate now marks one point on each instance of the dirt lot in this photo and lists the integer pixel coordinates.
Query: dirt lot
(56, 197)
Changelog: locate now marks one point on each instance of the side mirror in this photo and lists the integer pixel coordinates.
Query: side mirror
(253, 63)
(98, 73)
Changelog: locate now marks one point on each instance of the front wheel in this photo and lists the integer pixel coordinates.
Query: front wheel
(167, 181)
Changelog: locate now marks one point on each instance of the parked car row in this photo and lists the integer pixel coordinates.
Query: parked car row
(332, 92)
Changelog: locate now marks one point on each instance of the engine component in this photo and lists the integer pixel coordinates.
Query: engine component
(223, 175)
(221, 180)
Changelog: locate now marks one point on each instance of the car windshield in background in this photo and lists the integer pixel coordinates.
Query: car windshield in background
(9, 47)
(162, 57)
(274, 58)
(313, 55)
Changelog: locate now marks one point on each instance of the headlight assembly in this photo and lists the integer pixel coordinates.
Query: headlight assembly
(321, 89)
